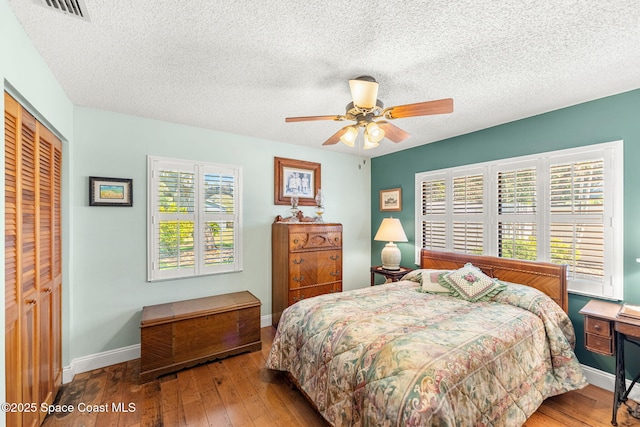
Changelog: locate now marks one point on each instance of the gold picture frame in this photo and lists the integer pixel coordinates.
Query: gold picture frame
(391, 200)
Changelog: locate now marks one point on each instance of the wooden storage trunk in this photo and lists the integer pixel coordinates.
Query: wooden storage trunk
(182, 334)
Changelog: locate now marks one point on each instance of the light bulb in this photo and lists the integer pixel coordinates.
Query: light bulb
(367, 143)
(349, 137)
(375, 132)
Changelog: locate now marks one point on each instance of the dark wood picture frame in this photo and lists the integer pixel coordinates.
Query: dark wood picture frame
(391, 200)
(110, 191)
(286, 171)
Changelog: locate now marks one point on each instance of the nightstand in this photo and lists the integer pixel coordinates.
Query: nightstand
(390, 275)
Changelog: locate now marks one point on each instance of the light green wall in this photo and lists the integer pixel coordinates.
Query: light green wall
(104, 271)
(109, 285)
(608, 119)
(24, 72)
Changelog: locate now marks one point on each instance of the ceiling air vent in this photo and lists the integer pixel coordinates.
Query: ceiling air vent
(75, 8)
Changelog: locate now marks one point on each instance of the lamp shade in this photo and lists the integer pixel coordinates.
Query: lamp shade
(364, 91)
(375, 132)
(350, 135)
(367, 143)
(391, 231)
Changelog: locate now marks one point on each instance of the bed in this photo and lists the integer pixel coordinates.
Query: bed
(403, 354)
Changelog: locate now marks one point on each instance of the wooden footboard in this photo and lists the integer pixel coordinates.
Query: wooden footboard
(546, 277)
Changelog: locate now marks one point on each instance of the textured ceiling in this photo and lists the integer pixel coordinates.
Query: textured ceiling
(243, 66)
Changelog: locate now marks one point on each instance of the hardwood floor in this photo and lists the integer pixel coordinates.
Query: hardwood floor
(239, 391)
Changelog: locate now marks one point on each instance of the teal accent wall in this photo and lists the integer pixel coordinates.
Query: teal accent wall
(612, 118)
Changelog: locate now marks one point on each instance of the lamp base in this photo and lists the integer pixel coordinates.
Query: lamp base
(391, 257)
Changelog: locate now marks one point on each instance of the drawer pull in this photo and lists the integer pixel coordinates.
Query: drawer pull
(335, 273)
(300, 298)
(295, 241)
(298, 279)
(597, 327)
(298, 261)
(334, 257)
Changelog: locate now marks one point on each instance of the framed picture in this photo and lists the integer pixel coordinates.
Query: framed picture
(391, 200)
(296, 177)
(110, 191)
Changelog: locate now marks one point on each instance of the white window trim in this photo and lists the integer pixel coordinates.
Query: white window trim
(613, 287)
(199, 217)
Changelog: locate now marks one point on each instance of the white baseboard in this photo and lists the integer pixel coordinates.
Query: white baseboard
(112, 357)
(265, 321)
(606, 381)
(99, 360)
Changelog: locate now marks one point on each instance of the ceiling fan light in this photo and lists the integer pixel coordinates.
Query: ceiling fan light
(368, 144)
(375, 132)
(349, 137)
(364, 92)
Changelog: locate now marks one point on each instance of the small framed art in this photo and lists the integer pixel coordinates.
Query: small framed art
(391, 200)
(110, 191)
(296, 177)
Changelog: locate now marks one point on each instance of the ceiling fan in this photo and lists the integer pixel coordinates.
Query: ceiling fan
(366, 109)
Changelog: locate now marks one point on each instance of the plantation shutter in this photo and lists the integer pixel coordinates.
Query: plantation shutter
(194, 218)
(174, 219)
(577, 218)
(564, 207)
(516, 208)
(433, 220)
(468, 210)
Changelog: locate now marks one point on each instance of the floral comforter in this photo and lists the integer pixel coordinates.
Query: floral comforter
(390, 355)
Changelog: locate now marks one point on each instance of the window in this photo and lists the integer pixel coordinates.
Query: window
(194, 218)
(563, 207)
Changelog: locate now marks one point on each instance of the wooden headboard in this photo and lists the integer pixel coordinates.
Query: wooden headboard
(546, 277)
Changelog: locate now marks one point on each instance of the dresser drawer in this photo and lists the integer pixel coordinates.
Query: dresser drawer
(597, 326)
(313, 291)
(313, 240)
(628, 329)
(314, 268)
(599, 344)
(598, 335)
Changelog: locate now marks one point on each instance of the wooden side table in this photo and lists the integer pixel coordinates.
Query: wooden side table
(393, 275)
(606, 333)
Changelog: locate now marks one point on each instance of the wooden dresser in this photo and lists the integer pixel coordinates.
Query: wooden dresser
(182, 334)
(306, 262)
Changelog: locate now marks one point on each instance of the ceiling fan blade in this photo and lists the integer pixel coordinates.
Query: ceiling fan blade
(311, 118)
(441, 106)
(393, 132)
(335, 138)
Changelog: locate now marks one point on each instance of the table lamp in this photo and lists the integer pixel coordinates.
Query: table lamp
(391, 231)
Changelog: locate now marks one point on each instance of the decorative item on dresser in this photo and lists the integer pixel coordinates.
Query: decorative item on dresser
(306, 262)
